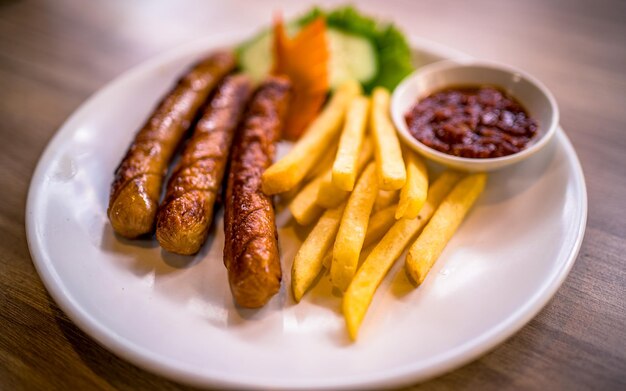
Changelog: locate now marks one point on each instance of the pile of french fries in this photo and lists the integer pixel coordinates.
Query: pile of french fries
(368, 199)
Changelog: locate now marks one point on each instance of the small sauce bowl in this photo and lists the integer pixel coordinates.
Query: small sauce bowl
(528, 91)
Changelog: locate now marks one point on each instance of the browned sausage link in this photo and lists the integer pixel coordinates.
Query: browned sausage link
(185, 214)
(138, 179)
(251, 248)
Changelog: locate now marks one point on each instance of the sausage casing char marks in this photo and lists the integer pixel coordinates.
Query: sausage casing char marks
(138, 180)
(251, 248)
(186, 212)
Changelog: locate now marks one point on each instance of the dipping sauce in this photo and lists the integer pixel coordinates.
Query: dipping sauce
(473, 122)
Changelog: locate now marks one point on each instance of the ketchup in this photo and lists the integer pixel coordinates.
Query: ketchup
(473, 122)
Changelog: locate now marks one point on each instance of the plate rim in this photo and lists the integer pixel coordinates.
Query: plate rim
(143, 358)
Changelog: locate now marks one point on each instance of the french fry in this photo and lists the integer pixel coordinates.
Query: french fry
(330, 195)
(345, 165)
(322, 168)
(359, 295)
(288, 196)
(389, 163)
(286, 173)
(413, 193)
(324, 165)
(385, 198)
(379, 224)
(328, 259)
(303, 207)
(444, 223)
(308, 261)
(352, 229)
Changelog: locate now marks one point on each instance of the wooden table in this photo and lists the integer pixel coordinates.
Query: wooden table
(53, 55)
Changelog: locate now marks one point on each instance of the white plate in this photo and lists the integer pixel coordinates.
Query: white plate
(175, 316)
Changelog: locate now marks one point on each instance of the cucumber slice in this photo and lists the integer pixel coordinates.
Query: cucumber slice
(255, 56)
(351, 57)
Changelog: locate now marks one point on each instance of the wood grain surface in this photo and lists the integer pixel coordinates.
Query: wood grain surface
(55, 54)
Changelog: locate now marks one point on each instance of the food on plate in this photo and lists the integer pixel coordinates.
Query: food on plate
(329, 195)
(414, 191)
(289, 171)
(186, 212)
(359, 295)
(352, 229)
(360, 48)
(443, 224)
(345, 165)
(309, 259)
(250, 244)
(136, 189)
(472, 122)
(385, 198)
(379, 224)
(346, 175)
(304, 59)
(389, 163)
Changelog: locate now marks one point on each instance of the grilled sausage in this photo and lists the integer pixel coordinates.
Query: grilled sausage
(186, 212)
(138, 179)
(251, 249)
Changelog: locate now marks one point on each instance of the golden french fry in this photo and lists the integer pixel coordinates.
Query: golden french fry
(349, 241)
(414, 191)
(286, 173)
(444, 223)
(308, 261)
(379, 224)
(330, 195)
(325, 164)
(303, 207)
(322, 168)
(288, 196)
(389, 163)
(328, 259)
(359, 295)
(385, 198)
(345, 165)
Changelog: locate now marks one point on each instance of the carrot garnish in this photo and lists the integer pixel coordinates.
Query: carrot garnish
(304, 59)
